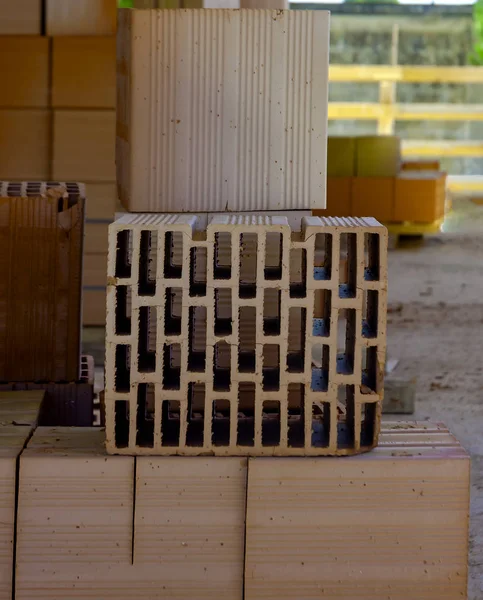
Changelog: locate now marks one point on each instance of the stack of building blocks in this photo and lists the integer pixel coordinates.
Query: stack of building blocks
(185, 527)
(366, 176)
(41, 236)
(231, 370)
(57, 112)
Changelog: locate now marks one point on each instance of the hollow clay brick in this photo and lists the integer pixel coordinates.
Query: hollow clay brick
(199, 134)
(239, 356)
(389, 524)
(41, 236)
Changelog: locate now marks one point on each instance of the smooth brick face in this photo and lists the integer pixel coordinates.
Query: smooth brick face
(22, 17)
(81, 17)
(213, 333)
(84, 72)
(197, 134)
(26, 144)
(378, 156)
(389, 524)
(420, 196)
(24, 71)
(84, 142)
(374, 196)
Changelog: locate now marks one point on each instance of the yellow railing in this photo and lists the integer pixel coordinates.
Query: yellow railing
(387, 111)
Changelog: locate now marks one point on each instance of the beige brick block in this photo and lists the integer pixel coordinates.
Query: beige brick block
(101, 201)
(190, 512)
(95, 271)
(12, 440)
(196, 134)
(84, 145)
(25, 144)
(94, 306)
(22, 17)
(224, 338)
(389, 524)
(95, 240)
(81, 17)
(84, 72)
(89, 523)
(75, 517)
(24, 71)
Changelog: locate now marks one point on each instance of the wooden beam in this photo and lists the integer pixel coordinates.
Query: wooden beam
(377, 73)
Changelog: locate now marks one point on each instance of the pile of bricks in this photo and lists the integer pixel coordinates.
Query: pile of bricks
(41, 236)
(258, 331)
(57, 112)
(366, 175)
(77, 523)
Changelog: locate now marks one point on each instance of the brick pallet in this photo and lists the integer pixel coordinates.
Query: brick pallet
(195, 359)
(390, 523)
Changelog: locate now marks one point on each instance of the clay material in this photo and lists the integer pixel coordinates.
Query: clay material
(87, 521)
(199, 134)
(389, 524)
(41, 234)
(81, 17)
(223, 338)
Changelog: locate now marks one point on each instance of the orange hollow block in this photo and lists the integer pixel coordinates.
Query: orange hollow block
(339, 203)
(420, 196)
(420, 165)
(373, 196)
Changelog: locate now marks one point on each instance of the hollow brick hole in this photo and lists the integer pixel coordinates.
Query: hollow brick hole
(348, 265)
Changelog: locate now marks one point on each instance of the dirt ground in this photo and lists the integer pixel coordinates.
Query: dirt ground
(435, 327)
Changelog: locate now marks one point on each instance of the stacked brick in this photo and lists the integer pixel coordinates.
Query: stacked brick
(41, 236)
(57, 112)
(226, 341)
(259, 330)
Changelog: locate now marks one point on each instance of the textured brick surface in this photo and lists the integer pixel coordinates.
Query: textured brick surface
(199, 134)
(41, 237)
(243, 336)
(392, 523)
(91, 525)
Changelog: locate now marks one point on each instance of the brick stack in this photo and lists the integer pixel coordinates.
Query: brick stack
(57, 112)
(236, 334)
(41, 234)
(366, 175)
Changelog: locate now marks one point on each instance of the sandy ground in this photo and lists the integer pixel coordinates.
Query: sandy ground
(435, 326)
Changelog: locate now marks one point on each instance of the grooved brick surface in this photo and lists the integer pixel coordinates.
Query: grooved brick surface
(245, 338)
(222, 109)
(392, 523)
(41, 237)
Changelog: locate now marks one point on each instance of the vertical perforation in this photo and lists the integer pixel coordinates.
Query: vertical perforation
(253, 340)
